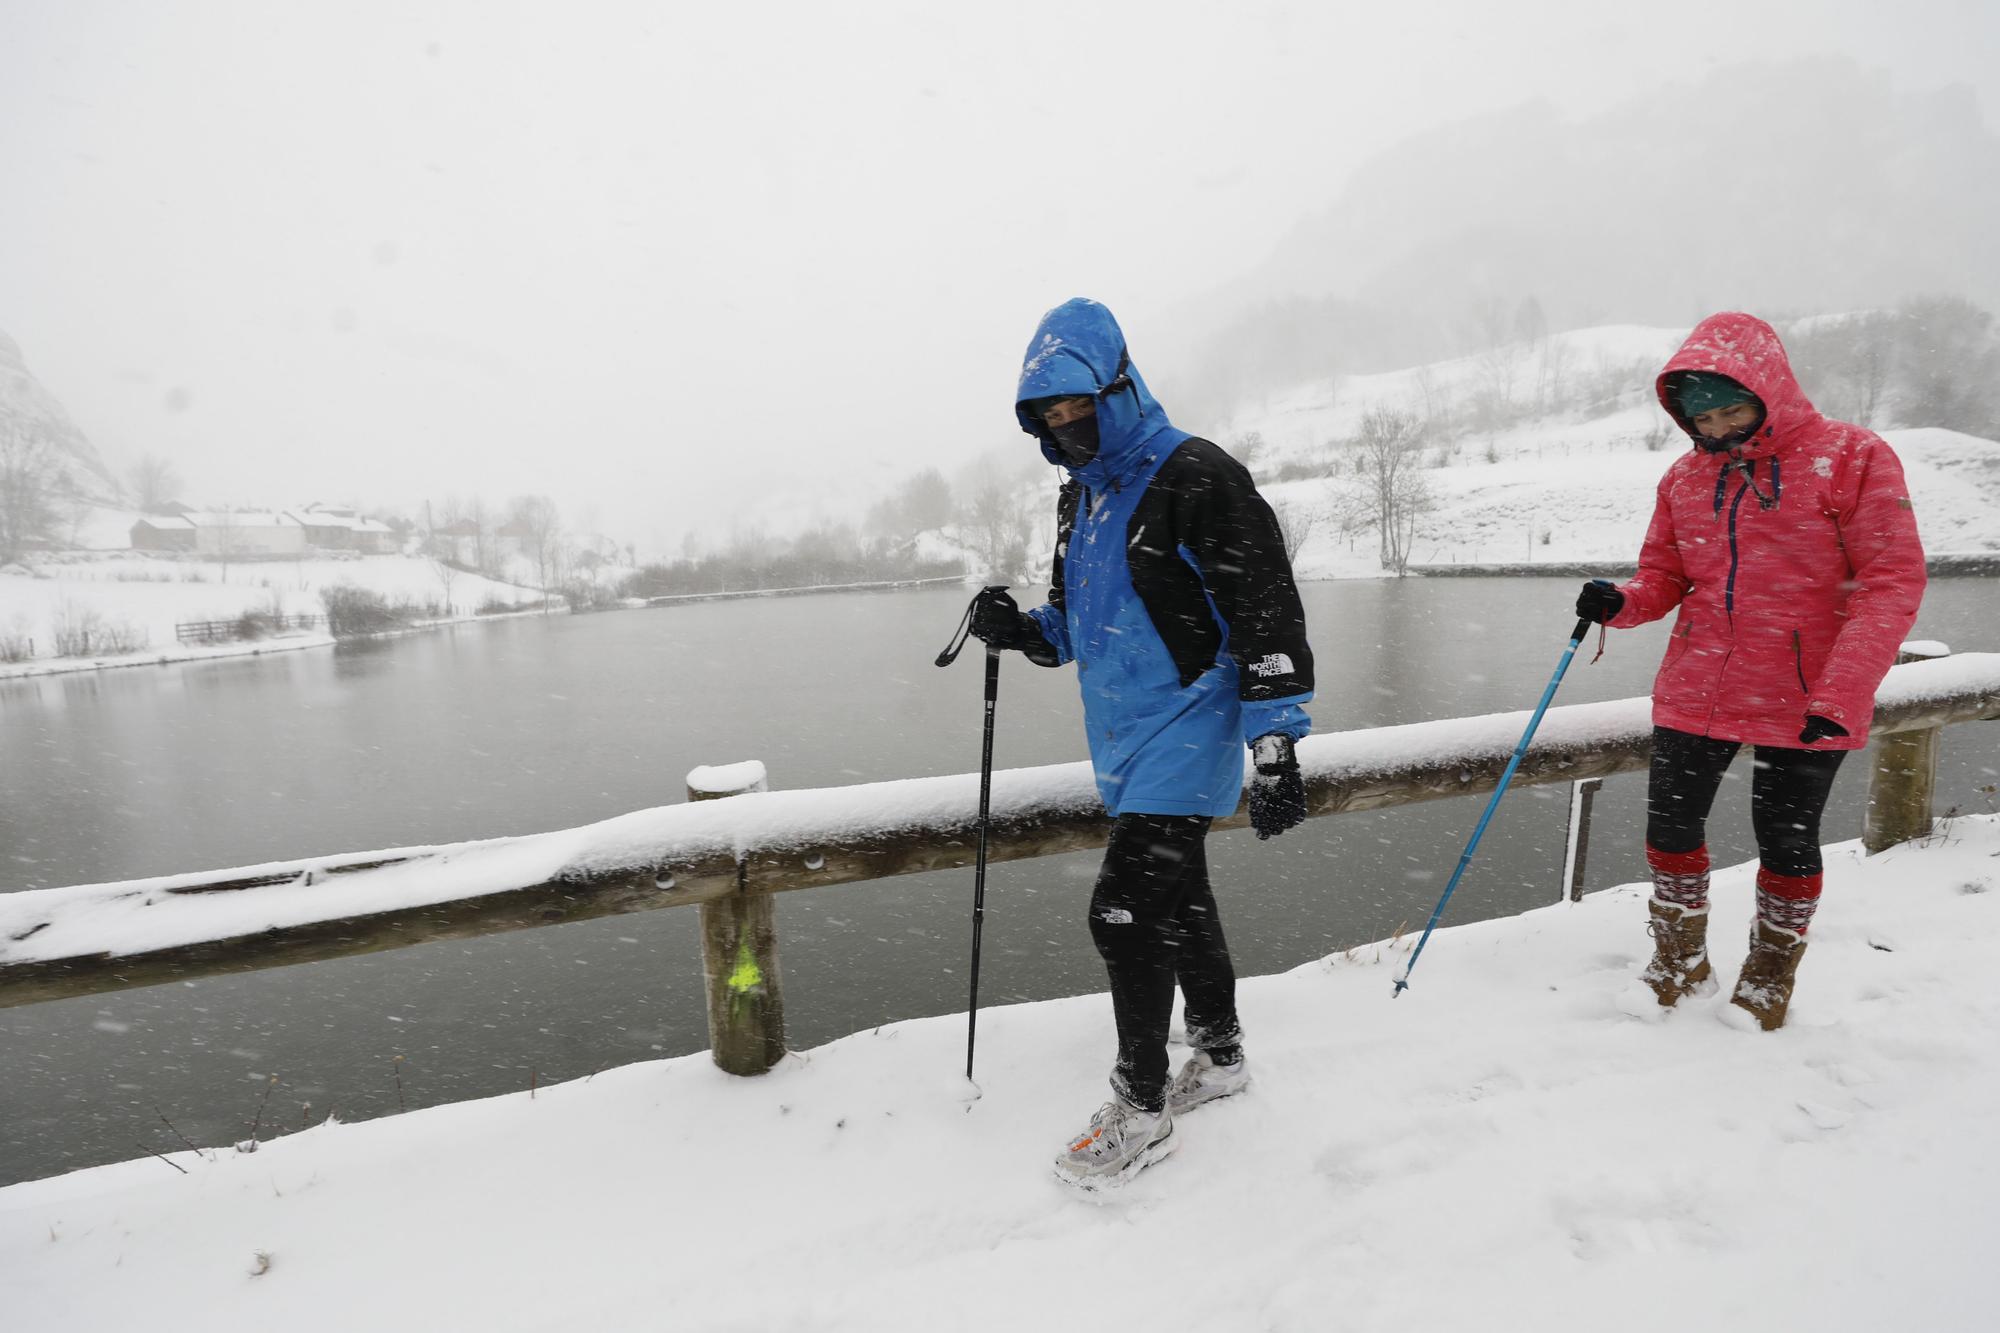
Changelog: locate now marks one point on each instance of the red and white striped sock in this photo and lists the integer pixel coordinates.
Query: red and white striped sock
(1680, 878)
(1787, 901)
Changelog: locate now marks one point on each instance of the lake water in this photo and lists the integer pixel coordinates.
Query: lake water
(525, 725)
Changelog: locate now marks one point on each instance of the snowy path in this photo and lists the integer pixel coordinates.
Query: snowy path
(1521, 1141)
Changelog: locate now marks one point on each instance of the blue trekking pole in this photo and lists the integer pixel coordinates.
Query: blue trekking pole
(1465, 858)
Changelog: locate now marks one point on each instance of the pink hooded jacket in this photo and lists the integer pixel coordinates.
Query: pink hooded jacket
(1794, 560)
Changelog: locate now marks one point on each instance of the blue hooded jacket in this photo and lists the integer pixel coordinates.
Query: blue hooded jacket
(1171, 588)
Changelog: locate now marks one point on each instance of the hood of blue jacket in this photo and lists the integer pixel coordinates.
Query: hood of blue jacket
(1077, 349)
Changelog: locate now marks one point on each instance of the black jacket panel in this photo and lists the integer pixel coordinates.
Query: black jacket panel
(1203, 506)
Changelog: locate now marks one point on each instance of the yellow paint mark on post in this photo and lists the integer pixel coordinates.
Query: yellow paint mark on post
(746, 976)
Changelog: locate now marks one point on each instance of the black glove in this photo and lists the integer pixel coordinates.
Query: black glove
(1819, 728)
(1599, 601)
(996, 620)
(1277, 791)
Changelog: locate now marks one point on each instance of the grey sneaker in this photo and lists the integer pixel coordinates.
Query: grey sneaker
(1119, 1142)
(1203, 1080)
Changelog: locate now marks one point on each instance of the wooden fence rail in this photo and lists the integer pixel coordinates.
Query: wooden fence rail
(58, 943)
(250, 626)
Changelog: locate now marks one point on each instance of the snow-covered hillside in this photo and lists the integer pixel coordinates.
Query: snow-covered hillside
(1558, 482)
(149, 596)
(1523, 1140)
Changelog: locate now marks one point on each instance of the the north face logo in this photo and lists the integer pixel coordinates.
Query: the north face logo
(1272, 664)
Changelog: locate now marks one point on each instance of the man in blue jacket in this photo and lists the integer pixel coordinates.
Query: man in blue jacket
(1172, 593)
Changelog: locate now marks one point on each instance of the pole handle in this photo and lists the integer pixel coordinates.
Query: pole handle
(964, 630)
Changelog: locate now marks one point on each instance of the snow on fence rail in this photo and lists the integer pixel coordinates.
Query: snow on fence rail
(729, 854)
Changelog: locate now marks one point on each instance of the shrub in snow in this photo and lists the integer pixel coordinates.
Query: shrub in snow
(15, 645)
(351, 611)
(79, 631)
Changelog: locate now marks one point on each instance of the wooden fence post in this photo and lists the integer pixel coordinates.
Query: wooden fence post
(1582, 795)
(1904, 774)
(739, 949)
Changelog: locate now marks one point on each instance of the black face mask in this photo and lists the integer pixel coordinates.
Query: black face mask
(1724, 443)
(1076, 441)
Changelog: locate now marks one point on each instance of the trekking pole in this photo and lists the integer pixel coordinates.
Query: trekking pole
(1465, 857)
(944, 659)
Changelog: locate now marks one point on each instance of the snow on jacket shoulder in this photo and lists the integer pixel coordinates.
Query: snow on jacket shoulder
(1794, 561)
(1171, 590)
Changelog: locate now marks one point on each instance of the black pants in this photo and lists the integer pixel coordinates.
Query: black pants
(1788, 791)
(1154, 920)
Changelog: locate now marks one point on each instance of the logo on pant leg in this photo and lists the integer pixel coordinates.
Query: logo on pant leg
(1115, 916)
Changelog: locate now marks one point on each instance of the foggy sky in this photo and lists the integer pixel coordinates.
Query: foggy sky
(658, 260)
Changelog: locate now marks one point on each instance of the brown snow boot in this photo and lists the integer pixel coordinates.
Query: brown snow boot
(1765, 988)
(1680, 950)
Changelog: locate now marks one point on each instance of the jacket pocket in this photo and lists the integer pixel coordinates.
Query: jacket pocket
(1799, 662)
(1677, 647)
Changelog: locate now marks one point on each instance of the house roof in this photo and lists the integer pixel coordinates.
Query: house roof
(242, 518)
(337, 518)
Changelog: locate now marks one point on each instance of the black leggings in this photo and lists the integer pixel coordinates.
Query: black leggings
(1788, 791)
(1154, 920)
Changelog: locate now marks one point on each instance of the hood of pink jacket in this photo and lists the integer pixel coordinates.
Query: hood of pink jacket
(1747, 350)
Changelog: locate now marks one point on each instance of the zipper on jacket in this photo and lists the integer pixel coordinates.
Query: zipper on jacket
(1799, 662)
(1729, 589)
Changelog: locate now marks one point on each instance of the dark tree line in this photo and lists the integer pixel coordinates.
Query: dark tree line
(824, 557)
(1928, 362)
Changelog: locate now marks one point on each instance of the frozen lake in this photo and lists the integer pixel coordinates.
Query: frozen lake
(526, 725)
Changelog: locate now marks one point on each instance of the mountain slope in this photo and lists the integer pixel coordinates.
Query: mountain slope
(1775, 187)
(28, 408)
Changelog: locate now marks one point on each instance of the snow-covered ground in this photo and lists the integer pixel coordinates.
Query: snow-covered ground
(149, 596)
(1523, 1140)
(1561, 487)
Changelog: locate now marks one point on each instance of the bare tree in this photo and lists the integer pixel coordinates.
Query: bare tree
(1390, 450)
(447, 574)
(1434, 401)
(154, 482)
(28, 477)
(1246, 448)
(1872, 364)
(482, 523)
(1551, 375)
(226, 539)
(538, 518)
(1296, 522)
(997, 525)
(918, 505)
(1497, 363)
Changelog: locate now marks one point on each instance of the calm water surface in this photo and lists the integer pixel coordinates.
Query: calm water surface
(526, 725)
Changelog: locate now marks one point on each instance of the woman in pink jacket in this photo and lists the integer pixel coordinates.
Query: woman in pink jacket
(1787, 543)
